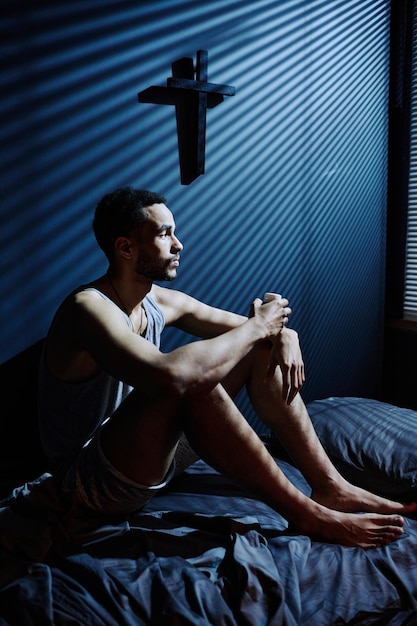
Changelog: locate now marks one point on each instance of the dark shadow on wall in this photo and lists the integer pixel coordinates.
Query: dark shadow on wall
(21, 455)
(400, 365)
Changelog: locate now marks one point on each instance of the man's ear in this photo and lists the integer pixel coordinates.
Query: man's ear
(123, 246)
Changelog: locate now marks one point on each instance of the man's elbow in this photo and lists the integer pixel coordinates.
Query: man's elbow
(182, 382)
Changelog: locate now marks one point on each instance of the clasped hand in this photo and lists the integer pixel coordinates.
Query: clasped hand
(286, 353)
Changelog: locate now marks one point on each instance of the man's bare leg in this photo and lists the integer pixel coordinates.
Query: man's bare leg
(140, 440)
(294, 428)
(225, 440)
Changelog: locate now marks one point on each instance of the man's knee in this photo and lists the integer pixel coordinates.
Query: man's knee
(242, 374)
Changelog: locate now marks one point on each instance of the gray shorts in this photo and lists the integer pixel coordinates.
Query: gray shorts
(91, 480)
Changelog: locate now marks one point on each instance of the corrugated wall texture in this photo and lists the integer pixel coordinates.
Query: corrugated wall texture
(294, 194)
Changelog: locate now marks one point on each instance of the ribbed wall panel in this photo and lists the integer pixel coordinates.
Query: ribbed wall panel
(410, 295)
(293, 198)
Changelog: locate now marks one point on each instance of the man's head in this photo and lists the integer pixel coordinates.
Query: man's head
(118, 213)
(135, 226)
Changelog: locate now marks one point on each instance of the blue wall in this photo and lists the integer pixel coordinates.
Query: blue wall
(294, 195)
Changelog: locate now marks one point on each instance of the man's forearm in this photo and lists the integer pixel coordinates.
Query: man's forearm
(203, 364)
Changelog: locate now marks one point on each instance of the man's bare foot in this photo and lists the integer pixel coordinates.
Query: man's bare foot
(348, 498)
(368, 530)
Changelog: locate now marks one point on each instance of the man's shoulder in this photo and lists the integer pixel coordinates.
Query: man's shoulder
(86, 305)
(87, 293)
(173, 303)
(164, 295)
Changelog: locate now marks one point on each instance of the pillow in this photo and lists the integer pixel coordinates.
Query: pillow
(373, 444)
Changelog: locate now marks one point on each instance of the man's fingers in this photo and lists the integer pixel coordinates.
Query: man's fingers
(254, 305)
(293, 380)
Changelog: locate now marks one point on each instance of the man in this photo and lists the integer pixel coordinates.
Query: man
(118, 417)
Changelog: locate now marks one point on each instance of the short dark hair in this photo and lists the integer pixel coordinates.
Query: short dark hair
(119, 212)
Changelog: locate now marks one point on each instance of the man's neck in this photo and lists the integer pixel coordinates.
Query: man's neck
(128, 293)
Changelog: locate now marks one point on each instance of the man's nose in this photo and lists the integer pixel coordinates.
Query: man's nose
(177, 245)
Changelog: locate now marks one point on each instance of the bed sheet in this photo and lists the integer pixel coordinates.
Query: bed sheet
(203, 552)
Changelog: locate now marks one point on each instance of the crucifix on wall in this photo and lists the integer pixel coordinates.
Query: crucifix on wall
(191, 94)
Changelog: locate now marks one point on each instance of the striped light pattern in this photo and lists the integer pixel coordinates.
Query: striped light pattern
(293, 198)
(410, 297)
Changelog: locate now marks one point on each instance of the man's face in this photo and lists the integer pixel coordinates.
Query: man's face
(158, 247)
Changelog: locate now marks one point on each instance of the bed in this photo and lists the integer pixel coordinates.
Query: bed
(205, 552)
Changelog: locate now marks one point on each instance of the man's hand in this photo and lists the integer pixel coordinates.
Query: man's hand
(286, 353)
(273, 314)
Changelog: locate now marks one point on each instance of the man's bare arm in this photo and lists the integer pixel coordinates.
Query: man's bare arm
(101, 330)
(202, 320)
(193, 316)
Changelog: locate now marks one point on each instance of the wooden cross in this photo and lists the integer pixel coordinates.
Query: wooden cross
(192, 96)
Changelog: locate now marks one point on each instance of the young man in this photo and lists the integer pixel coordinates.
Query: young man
(116, 414)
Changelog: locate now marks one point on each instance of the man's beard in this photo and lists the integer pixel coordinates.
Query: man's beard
(155, 271)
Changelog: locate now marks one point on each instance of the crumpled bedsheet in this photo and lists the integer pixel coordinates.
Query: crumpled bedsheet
(202, 553)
